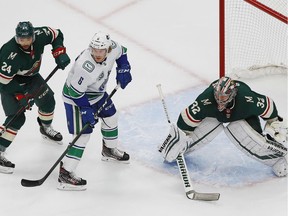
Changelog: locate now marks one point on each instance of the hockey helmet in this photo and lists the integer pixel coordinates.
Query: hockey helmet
(224, 92)
(101, 40)
(25, 30)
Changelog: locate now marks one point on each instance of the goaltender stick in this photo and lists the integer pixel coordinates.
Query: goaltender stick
(234, 103)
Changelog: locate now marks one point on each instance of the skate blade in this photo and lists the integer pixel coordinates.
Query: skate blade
(69, 187)
(50, 140)
(113, 160)
(6, 170)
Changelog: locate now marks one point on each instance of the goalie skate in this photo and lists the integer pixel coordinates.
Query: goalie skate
(69, 181)
(6, 166)
(49, 134)
(114, 155)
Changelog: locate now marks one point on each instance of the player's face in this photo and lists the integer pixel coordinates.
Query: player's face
(222, 100)
(99, 55)
(25, 43)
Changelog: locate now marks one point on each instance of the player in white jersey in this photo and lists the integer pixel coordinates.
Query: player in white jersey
(83, 93)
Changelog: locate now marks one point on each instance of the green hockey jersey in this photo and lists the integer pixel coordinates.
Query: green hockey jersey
(14, 61)
(246, 104)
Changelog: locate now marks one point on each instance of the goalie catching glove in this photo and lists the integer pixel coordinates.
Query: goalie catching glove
(276, 130)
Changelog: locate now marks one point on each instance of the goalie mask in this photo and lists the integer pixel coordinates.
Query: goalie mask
(224, 92)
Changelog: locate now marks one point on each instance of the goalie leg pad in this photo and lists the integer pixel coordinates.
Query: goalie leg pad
(204, 133)
(251, 143)
(280, 167)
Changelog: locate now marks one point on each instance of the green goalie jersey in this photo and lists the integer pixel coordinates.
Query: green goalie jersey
(246, 104)
(16, 61)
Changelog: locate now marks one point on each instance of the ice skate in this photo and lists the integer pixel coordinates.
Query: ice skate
(48, 133)
(6, 166)
(69, 181)
(114, 155)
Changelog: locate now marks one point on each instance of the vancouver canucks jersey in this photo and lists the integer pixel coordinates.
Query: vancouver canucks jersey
(16, 61)
(89, 78)
(246, 104)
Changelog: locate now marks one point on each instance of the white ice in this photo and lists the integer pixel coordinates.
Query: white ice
(174, 43)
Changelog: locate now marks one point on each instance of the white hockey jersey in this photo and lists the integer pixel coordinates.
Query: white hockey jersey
(88, 77)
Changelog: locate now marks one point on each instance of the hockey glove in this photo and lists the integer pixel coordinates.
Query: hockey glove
(277, 130)
(25, 100)
(61, 58)
(123, 75)
(87, 114)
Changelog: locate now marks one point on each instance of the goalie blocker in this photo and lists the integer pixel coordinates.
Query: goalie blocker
(239, 132)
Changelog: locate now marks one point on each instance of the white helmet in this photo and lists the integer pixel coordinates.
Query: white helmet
(101, 41)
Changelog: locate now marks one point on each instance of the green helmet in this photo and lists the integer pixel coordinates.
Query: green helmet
(25, 30)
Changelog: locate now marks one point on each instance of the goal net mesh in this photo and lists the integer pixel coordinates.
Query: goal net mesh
(255, 41)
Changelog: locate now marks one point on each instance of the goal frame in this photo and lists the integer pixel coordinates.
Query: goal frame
(255, 3)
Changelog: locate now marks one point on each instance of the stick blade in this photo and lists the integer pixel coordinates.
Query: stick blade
(31, 183)
(193, 195)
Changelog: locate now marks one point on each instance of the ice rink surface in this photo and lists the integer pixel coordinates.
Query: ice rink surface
(174, 43)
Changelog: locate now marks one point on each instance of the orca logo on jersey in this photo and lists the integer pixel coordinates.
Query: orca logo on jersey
(88, 66)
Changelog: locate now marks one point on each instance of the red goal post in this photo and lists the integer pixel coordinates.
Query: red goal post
(253, 37)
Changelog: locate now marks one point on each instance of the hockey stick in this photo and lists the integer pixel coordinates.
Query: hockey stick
(34, 183)
(189, 190)
(22, 109)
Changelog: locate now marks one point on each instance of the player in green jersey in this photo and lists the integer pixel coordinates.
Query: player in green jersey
(234, 103)
(20, 61)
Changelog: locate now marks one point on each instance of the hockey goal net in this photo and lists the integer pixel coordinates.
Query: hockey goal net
(253, 37)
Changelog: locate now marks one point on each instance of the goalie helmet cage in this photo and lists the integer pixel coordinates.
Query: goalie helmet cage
(253, 38)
